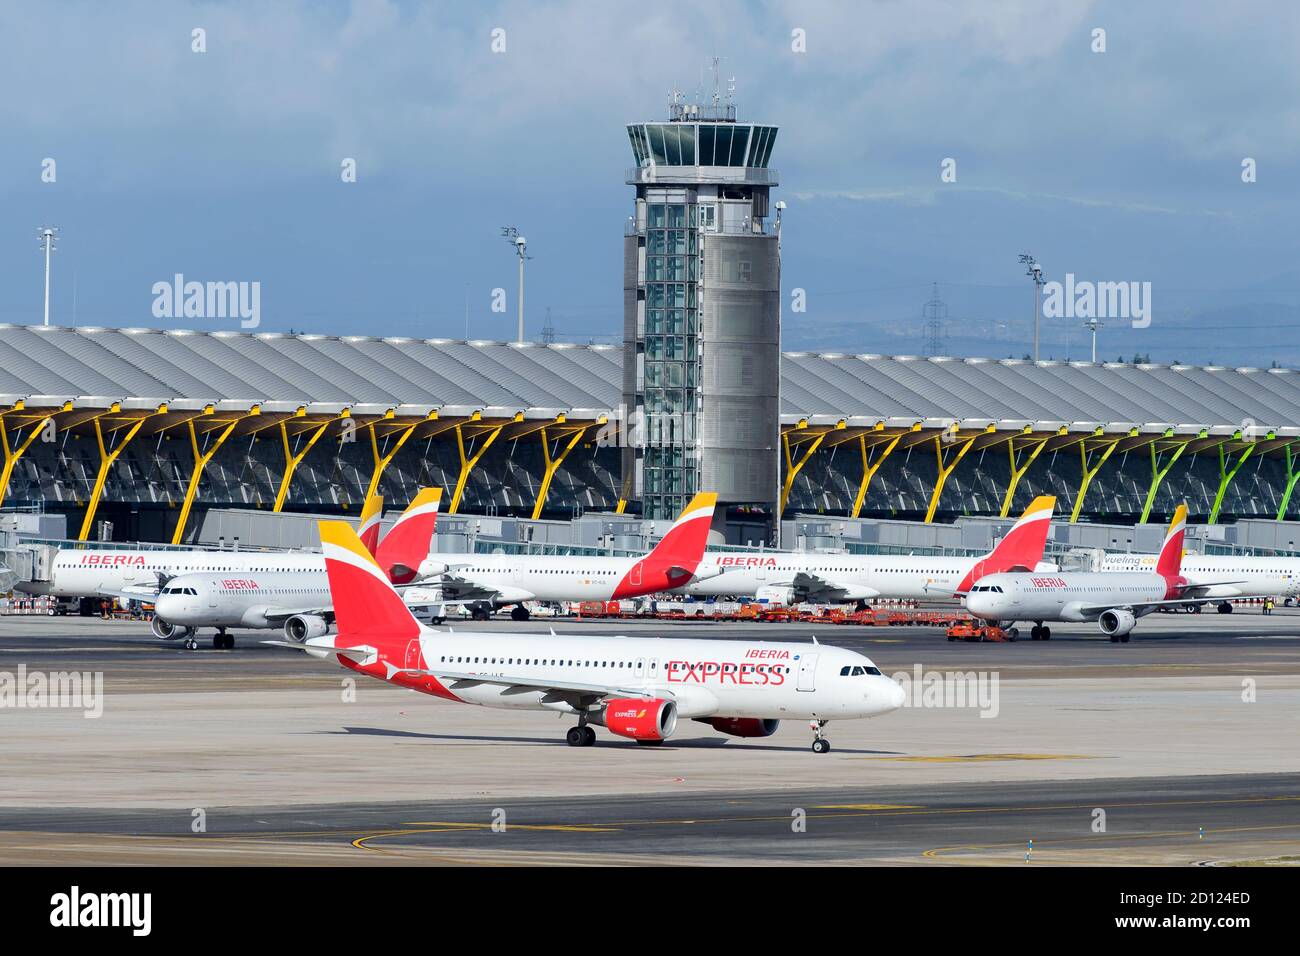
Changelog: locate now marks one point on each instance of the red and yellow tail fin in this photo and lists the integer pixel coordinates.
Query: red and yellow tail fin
(372, 512)
(409, 541)
(674, 560)
(367, 610)
(683, 545)
(1170, 561)
(1021, 549)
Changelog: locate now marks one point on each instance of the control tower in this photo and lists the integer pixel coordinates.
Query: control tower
(702, 312)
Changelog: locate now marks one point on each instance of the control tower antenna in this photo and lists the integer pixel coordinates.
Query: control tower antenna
(935, 313)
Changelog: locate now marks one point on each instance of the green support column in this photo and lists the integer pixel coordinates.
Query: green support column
(1292, 475)
(1226, 474)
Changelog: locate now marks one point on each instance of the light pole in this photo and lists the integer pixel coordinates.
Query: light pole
(1094, 324)
(521, 250)
(1035, 272)
(47, 238)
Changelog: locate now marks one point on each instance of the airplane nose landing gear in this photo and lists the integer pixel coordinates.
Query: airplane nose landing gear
(820, 744)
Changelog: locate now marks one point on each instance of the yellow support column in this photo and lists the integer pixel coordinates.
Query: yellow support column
(1088, 474)
(106, 459)
(1018, 473)
(945, 470)
(291, 460)
(201, 460)
(869, 469)
(467, 462)
(792, 468)
(11, 455)
(382, 461)
(553, 464)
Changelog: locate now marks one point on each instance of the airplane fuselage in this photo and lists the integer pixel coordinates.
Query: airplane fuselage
(1252, 574)
(508, 579)
(705, 678)
(1063, 596)
(91, 572)
(240, 599)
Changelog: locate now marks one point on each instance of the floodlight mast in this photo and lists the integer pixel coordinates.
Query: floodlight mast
(1093, 325)
(1035, 271)
(48, 238)
(513, 237)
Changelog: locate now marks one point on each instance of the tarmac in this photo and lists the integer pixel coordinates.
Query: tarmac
(286, 759)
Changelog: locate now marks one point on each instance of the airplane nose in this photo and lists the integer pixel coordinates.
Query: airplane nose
(899, 696)
(890, 694)
(166, 607)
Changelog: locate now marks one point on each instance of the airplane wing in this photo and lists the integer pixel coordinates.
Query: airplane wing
(356, 653)
(147, 594)
(692, 701)
(457, 679)
(458, 588)
(281, 614)
(818, 588)
(1095, 610)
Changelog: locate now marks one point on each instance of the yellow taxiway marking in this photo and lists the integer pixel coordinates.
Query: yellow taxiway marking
(962, 758)
(560, 827)
(1038, 844)
(869, 806)
(449, 827)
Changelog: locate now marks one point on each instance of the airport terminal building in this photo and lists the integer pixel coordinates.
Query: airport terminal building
(144, 429)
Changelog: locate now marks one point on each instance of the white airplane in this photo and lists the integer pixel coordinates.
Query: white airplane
(1255, 574)
(95, 572)
(1114, 599)
(298, 601)
(486, 582)
(636, 688)
(791, 577)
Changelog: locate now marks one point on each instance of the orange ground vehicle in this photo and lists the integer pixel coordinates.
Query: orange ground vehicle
(972, 632)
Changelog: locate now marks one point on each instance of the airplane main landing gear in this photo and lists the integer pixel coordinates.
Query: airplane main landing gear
(221, 641)
(1040, 632)
(479, 612)
(580, 736)
(1225, 607)
(519, 613)
(820, 744)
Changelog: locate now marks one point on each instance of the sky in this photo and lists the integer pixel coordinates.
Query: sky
(1115, 165)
